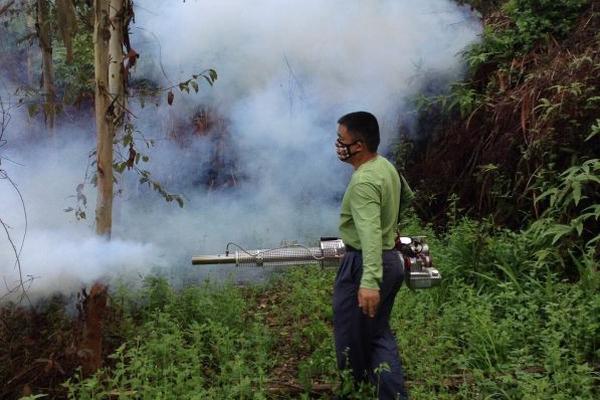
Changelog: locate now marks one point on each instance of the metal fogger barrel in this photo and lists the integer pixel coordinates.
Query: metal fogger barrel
(329, 252)
(419, 274)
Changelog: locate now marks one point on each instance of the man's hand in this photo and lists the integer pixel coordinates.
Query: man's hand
(368, 301)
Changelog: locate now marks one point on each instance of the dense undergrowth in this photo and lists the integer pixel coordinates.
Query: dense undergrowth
(527, 110)
(501, 326)
(517, 317)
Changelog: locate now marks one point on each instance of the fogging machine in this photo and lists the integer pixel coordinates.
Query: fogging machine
(419, 270)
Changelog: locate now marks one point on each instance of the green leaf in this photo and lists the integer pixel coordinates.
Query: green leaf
(594, 210)
(576, 192)
(550, 192)
(488, 168)
(593, 240)
(579, 228)
(559, 230)
(194, 86)
(210, 82)
(595, 130)
(578, 224)
(120, 167)
(33, 396)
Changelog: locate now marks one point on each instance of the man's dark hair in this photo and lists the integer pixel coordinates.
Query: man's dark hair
(362, 126)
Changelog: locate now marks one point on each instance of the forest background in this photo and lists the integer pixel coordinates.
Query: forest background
(505, 166)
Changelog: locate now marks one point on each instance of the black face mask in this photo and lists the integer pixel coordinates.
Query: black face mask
(343, 150)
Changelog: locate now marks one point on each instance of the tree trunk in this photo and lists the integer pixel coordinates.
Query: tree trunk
(116, 57)
(94, 310)
(30, 21)
(110, 100)
(45, 41)
(67, 25)
(104, 119)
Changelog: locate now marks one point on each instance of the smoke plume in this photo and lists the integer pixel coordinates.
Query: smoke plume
(287, 71)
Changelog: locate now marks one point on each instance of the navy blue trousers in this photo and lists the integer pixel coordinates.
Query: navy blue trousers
(363, 344)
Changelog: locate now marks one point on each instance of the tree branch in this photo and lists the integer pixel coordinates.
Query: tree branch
(4, 120)
(5, 8)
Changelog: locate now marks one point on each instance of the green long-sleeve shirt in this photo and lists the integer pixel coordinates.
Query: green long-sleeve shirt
(369, 214)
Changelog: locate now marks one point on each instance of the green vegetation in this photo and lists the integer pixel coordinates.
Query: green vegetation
(200, 343)
(525, 24)
(517, 317)
(526, 112)
(503, 325)
(510, 183)
(74, 79)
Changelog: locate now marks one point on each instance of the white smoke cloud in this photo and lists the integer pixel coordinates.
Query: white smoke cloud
(287, 71)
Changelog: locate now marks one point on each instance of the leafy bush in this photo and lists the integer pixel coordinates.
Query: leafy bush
(504, 324)
(529, 22)
(200, 343)
(74, 80)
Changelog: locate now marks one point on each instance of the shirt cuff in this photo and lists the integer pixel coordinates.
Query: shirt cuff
(369, 284)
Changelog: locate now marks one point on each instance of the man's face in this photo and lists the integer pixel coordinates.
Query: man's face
(346, 146)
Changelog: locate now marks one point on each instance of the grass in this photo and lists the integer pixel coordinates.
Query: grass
(497, 334)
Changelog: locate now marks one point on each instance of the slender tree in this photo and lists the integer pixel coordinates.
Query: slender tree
(116, 58)
(30, 21)
(110, 100)
(45, 42)
(66, 20)
(104, 149)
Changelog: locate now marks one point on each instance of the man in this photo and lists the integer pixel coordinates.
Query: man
(371, 272)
